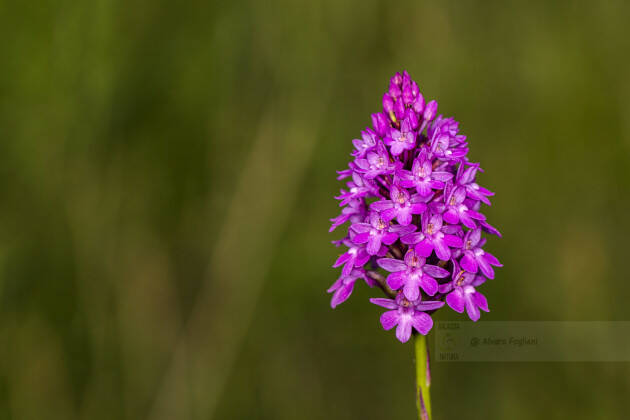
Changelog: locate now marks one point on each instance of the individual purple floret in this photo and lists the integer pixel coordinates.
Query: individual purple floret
(411, 274)
(374, 233)
(367, 142)
(407, 314)
(356, 256)
(342, 288)
(461, 293)
(401, 140)
(475, 258)
(433, 237)
(376, 163)
(413, 214)
(402, 206)
(355, 212)
(456, 210)
(466, 178)
(422, 177)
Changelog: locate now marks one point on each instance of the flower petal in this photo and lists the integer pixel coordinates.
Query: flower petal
(412, 238)
(435, 271)
(396, 280)
(468, 263)
(451, 216)
(374, 244)
(381, 205)
(391, 264)
(491, 259)
(429, 305)
(389, 319)
(341, 294)
(481, 301)
(342, 259)
(472, 309)
(424, 248)
(361, 238)
(486, 268)
(403, 332)
(441, 249)
(404, 216)
(429, 285)
(361, 227)
(389, 214)
(456, 300)
(418, 208)
(385, 303)
(422, 322)
(453, 241)
(389, 238)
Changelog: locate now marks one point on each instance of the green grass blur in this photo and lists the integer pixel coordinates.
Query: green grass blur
(166, 178)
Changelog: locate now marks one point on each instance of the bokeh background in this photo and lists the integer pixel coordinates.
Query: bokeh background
(167, 174)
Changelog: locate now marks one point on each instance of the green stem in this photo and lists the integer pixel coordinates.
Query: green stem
(423, 377)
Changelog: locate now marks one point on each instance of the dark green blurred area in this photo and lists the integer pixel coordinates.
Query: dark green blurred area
(167, 173)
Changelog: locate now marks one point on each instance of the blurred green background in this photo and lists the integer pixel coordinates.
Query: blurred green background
(167, 173)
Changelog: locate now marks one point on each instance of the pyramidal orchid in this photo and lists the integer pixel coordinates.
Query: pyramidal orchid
(414, 221)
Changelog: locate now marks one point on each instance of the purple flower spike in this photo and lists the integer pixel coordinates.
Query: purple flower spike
(411, 210)
(402, 206)
(412, 274)
(406, 315)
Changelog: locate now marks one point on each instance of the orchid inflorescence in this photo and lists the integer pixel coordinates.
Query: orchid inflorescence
(413, 207)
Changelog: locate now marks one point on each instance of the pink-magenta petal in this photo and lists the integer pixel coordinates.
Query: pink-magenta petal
(373, 244)
(451, 216)
(453, 241)
(341, 294)
(441, 249)
(435, 271)
(468, 263)
(389, 238)
(381, 205)
(385, 303)
(396, 280)
(456, 300)
(481, 301)
(422, 323)
(485, 268)
(342, 259)
(491, 259)
(391, 264)
(472, 309)
(424, 248)
(403, 332)
(361, 238)
(412, 238)
(389, 319)
(429, 285)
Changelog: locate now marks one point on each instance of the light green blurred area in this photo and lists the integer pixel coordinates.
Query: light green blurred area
(167, 174)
